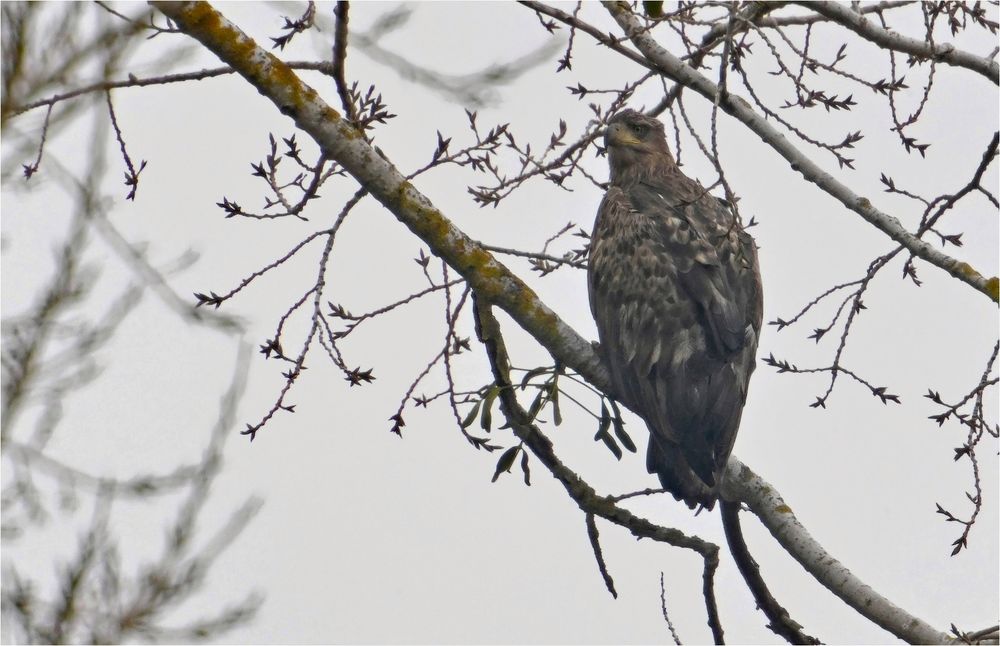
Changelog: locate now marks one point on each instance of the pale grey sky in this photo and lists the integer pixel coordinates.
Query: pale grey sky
(369, 538)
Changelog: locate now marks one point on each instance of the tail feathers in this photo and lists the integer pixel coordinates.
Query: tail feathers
(678, 478)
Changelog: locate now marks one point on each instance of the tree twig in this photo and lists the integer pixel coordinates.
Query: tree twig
(595, 542)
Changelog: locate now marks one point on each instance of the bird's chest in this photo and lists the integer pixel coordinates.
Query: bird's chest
(648, 244)
(633, 266)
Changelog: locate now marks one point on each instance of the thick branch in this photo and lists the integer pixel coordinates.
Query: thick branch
(491, 280)
(735, 106)
(740, 483)
(814, 18)
(842, 14)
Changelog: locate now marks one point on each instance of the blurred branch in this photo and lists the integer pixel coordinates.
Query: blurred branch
(180, 570)
(324, 67)
(24, 349)
(50, 352)
(989, 635)
(96, 595)
(136, 486)
(473, 90)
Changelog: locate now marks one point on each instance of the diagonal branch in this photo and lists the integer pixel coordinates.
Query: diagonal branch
(843, 14)
(740, 483)
(810, 19)
(735, 106)
(342, 143)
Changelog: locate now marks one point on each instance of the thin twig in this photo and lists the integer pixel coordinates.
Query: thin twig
(599, 555)
(663, 609)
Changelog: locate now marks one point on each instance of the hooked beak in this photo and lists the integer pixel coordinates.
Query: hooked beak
(618, 134)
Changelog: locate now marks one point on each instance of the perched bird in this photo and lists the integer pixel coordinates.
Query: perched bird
(675, 290)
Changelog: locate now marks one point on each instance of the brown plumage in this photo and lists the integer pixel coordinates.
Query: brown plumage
(675, 290)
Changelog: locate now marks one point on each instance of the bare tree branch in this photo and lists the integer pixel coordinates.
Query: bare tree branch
(741, 483)
(811, 19)
(844, 15)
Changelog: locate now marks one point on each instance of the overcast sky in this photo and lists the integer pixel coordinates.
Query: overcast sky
(368, 538)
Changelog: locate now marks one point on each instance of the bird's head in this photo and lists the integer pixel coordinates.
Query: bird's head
(636, 144)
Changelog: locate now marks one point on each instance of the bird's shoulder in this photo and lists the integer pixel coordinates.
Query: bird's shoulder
(713, 258)
(690, 215)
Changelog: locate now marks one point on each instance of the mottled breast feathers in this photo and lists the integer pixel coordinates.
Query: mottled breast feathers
(675, 291)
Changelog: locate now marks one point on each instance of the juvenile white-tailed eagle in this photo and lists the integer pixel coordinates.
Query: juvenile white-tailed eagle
(675, 290)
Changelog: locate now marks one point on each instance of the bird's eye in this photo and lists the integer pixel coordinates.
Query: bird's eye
(638, 129)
